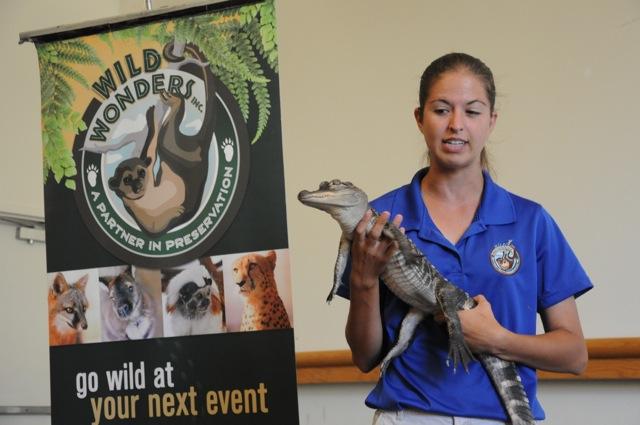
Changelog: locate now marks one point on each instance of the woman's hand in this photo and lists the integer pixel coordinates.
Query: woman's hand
(369, 253)
(481, 330)
(560, 349)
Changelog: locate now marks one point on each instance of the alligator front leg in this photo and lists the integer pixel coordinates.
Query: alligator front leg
(451, 299)
(407, 329)
(409, 251)
(341, 262)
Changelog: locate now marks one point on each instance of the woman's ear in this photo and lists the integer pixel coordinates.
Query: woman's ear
(418, 115)
(494, 118)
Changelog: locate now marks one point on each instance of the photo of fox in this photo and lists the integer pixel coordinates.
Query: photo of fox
(74, 315)
(67, 307)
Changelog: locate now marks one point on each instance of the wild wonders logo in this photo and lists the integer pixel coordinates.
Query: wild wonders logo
(164, 161)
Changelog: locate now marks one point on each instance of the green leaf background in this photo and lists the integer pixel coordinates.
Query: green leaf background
(235, 42)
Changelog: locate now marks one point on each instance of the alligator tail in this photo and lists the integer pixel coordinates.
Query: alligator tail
(506, 380)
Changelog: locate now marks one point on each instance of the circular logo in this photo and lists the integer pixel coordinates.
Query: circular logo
(505, 258)
(164, 164)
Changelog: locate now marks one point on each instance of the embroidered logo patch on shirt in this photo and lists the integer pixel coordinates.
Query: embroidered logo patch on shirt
(505, 258)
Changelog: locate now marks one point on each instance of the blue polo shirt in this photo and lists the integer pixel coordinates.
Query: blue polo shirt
(515, 255)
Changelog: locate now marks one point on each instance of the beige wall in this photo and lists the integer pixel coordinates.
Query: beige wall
(566, 136)
(568, 95)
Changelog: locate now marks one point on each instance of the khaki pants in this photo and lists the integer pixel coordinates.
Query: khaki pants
(414, 417)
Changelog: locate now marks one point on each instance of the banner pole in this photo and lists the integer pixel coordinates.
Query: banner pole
(148, 5)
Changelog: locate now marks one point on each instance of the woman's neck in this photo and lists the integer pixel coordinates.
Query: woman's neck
(459, 186)
(452, 200)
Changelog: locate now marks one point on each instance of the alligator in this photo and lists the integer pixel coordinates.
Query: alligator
(417, 282)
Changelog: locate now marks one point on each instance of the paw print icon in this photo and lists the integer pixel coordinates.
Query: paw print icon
(227, 149)
(92, 175)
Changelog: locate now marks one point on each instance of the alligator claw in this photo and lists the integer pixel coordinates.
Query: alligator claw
(459, 352)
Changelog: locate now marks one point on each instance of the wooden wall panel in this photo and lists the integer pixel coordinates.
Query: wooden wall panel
(609, 359)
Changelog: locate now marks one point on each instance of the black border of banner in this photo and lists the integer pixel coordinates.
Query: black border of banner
(64, 32)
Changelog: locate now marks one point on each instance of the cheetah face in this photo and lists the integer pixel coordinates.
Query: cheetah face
(252, 271)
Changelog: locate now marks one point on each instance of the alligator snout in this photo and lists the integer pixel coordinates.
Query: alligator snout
(303, 194)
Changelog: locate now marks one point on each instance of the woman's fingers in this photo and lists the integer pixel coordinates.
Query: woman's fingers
(376, 230)
(361, 228)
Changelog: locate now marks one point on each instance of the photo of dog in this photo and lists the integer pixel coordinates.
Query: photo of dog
(129, 305)
(67, 307)
(193, 304)
(259, 291)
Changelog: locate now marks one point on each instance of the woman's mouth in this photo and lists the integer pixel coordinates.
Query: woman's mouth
(454, 142)
(453, 145)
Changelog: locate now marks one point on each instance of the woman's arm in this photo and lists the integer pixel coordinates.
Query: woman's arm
(369, 256)
(560, 349)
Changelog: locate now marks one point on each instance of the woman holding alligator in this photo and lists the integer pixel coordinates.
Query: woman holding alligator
(504, 250)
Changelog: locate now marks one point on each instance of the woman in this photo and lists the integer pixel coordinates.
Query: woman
(504, 250)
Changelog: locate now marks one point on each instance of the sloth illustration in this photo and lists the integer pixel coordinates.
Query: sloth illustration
(163, 201)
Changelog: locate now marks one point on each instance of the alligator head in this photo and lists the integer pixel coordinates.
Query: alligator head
(345, 202)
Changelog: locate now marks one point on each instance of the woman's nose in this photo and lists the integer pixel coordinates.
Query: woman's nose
(455, 122)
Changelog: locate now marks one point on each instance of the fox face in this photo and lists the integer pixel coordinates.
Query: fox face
(68, 304)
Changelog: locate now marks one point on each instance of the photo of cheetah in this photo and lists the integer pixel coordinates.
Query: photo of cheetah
(259, 291)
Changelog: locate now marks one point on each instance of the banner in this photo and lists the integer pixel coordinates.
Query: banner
(169, 289)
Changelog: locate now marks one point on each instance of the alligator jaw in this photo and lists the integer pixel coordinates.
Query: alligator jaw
(325, 200)
(342, 200)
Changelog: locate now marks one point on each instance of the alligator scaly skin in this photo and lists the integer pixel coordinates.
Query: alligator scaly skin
(413, 279)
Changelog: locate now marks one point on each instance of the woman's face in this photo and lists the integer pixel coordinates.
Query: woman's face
(456, 120)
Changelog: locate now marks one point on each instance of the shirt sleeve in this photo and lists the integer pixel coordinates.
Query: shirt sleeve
(560, 274)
